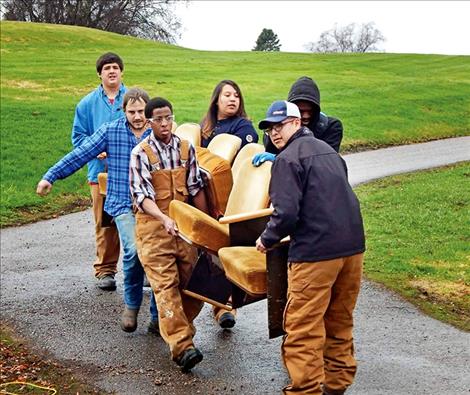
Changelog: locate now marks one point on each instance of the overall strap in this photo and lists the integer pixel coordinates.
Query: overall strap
(154, 160)
(184, 151)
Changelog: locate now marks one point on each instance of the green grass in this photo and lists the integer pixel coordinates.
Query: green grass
(418, 239)
(382, 99)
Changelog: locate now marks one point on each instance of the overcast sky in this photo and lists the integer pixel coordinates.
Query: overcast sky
(440, 27)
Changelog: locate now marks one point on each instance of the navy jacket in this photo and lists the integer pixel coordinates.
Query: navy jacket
(238, 126)
(313, 202)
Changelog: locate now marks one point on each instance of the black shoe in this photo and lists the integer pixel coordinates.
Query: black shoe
(227, 320)
(189, 359)
(106, 282)
(153, 328)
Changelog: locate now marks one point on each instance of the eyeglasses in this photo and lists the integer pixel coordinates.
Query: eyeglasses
(168, 118)
(277, 127)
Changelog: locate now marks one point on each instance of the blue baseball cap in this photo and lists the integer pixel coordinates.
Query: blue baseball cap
(278, 111)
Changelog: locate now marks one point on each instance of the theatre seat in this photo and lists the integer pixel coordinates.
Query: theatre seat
(248, 151)
(246, 267)
(226, 146)
(247, 203)
(218, 180)
(102, 183)
(189, 131)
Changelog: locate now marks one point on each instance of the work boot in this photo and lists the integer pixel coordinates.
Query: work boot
(153, 328)
(106, 282)
(129, 319)
(227, 320)
(189, 359)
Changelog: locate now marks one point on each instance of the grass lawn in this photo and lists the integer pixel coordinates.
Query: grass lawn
(382, 99)
(418, 239)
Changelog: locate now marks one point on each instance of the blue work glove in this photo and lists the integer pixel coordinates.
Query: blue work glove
(258, 159)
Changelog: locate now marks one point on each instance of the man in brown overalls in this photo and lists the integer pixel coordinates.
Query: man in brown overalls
(163, 167)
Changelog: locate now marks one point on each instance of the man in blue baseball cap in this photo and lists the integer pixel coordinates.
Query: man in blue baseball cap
(315, 205)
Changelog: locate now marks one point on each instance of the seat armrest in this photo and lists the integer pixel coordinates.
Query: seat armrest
(230, 219)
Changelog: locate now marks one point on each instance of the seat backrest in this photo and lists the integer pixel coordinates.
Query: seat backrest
(191, 132)
(250, 189)
(248, 151)
(217, 176)
(225, 145)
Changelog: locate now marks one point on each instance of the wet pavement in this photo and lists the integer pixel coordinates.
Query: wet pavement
(48, 294)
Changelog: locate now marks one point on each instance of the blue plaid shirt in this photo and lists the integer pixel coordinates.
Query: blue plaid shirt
(117, 139)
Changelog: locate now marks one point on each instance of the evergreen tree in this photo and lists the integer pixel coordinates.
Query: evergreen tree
(267, 41)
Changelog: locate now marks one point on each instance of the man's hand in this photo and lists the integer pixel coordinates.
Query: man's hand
(43, 188)
(170, 226)
(259, 159)
(260, 246)
(102, 156)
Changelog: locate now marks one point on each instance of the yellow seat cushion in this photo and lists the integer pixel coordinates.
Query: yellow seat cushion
(102, 182)
(198, 227)
(246, 267)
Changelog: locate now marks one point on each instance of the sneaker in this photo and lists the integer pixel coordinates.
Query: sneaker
(227, 320)
(129, 319)
(153, 328)
(106, 282)
(189, 359)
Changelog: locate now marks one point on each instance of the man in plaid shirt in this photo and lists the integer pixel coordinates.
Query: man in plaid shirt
(117, 139)
(163, 168)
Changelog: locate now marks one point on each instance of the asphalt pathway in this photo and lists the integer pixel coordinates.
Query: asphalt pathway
(48, 295)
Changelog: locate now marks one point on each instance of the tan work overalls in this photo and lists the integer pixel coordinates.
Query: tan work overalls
(167, 260)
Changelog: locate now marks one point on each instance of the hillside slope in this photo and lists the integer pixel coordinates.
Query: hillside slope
(382, 99)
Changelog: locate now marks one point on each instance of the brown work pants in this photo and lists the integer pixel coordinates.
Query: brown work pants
(107, 239)
(168, 262)
(318, 320)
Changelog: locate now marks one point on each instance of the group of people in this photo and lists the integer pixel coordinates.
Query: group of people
(129, 135)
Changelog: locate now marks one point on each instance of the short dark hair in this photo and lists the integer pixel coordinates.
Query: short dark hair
(133, 95)
(156, 102)
(107, 58)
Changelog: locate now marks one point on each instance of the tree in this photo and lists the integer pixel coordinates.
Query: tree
(152, 19)
(350, 38)
(267, 41)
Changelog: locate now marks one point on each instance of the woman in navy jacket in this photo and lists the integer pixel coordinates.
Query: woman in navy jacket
(226, 114)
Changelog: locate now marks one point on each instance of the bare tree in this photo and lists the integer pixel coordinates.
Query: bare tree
(367, 37)
(349, 38)
(152, 19)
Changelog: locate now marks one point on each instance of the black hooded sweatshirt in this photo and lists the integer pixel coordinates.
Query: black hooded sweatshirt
(325, 128)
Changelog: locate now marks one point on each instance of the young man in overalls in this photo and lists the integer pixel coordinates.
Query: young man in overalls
(163, 167)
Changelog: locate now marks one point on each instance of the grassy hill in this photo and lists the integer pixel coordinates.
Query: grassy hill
(382, 99)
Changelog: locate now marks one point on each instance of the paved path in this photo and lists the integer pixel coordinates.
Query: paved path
(48, 294)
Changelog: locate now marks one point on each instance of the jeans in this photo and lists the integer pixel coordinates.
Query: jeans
(131, 266)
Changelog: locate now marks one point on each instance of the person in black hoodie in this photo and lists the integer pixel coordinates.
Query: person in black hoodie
(315, 205)
(306, 95)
